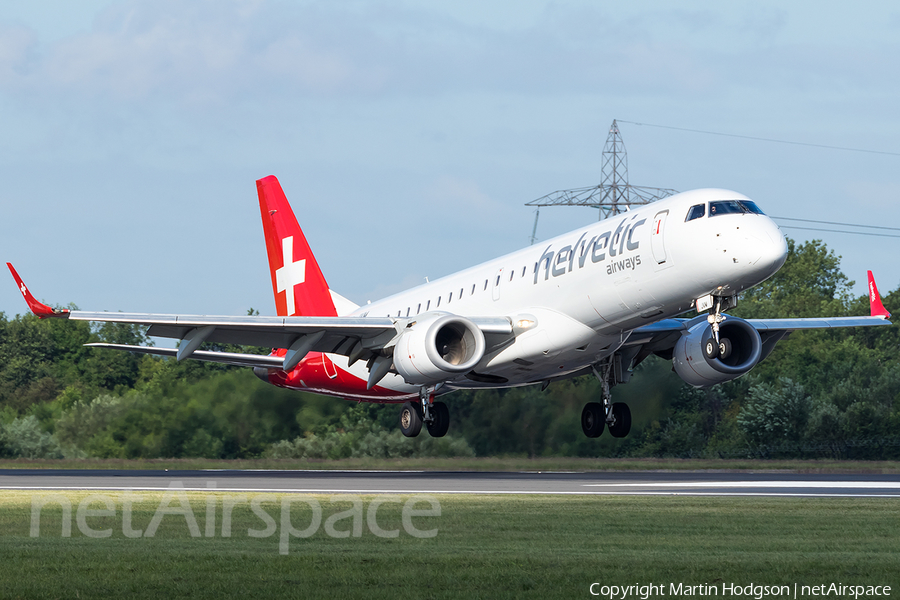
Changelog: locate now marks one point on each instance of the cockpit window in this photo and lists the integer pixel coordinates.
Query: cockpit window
(725, 207)
(733, 207)
(751, 207)
(697, 211)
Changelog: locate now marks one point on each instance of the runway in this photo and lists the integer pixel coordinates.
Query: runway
(457, 482)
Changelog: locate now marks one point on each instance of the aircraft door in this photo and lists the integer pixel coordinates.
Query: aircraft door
(657, 237)
(496, 284)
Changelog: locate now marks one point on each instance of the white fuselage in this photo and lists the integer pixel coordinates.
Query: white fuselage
(581, 294)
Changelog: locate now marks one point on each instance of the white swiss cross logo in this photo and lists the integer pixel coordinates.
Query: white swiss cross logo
(291, 274)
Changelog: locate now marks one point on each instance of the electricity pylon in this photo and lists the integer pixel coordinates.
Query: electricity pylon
(614, 195)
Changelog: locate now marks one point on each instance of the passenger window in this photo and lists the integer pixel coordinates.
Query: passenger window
(485, 284)
(511, 273)
(428, 306)
(449, 298)
(438, 302)
(698, 211)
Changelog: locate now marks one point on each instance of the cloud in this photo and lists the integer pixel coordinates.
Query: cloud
(464, 195)
(17, 49)
(209, 53)
(221, 50)
(188, 50)
(879, 197)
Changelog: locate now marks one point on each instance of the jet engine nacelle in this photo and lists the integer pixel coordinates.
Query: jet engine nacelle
(696, 369)
(437, 346)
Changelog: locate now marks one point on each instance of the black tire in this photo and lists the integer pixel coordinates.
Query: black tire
(711, 349)
(441, 422)
(593, 419)
(724, 348)
(622, 414)
(410, 419)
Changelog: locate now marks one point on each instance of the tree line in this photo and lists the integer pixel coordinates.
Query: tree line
(826, 393)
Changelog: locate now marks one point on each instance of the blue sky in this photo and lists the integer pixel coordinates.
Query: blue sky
(408, 135)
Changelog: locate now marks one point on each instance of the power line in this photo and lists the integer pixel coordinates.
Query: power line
(841, 231)
(762, 139)
(836, 223)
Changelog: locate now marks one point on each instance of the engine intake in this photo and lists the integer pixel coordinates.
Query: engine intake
(436, 347)
(698, 370)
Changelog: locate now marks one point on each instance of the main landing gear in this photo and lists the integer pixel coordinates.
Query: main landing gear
(598, 415)
(434, 415)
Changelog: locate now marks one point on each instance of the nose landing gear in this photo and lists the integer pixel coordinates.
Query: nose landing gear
(717, 346)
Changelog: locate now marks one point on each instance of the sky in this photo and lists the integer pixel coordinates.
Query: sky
(409, 135)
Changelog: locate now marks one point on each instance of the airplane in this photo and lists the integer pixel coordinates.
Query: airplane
(597, 300)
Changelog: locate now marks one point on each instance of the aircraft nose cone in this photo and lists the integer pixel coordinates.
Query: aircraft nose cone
(764, 250)
(777, 250)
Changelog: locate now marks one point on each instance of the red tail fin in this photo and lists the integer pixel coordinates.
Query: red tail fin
(297, 281)
(877, 308)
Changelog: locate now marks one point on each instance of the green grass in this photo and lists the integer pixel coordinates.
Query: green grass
(509, 463)
(486, 547)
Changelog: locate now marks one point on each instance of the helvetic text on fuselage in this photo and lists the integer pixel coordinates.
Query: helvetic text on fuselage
(562, 261)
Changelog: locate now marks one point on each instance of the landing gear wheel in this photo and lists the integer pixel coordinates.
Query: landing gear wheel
(593, 419)
(410, 420)
(711, 349)
(622, 425)
(441, 421)
(724, 348)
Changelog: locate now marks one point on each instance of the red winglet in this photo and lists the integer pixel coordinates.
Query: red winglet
(878, 309)
(38, 308)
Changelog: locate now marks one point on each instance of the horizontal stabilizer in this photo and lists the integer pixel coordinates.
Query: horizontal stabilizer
(228, 358)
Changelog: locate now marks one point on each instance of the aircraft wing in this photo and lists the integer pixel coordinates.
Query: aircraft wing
(269, 332)
(772, 325)
(664, 329)
(357, 337)
(660, 337)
